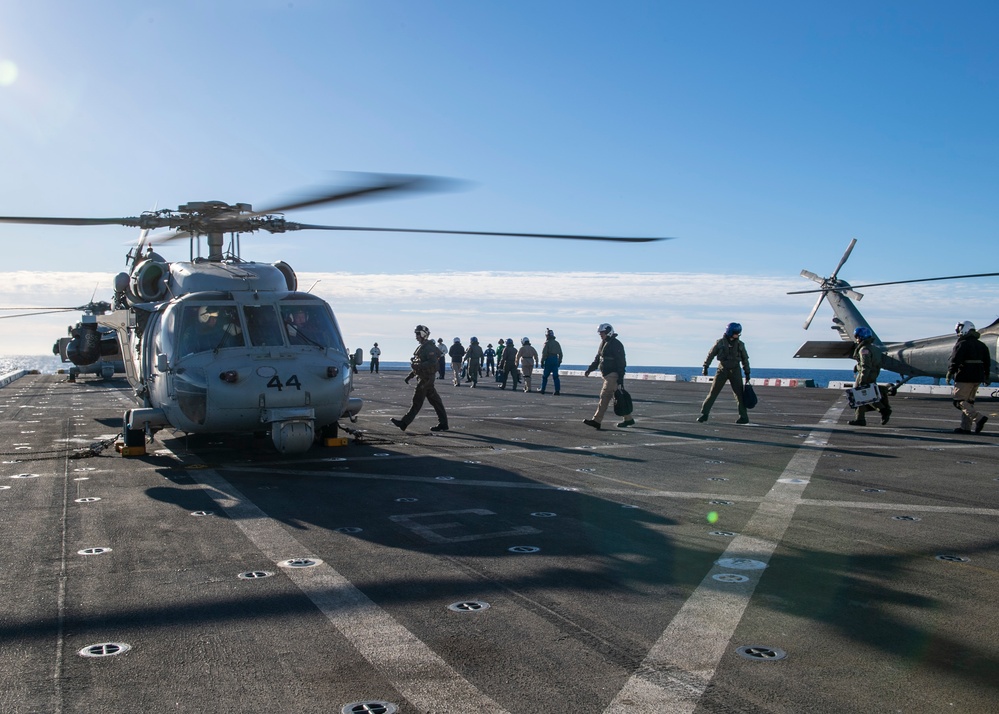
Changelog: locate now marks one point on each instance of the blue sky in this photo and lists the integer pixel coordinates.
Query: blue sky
(763, 136)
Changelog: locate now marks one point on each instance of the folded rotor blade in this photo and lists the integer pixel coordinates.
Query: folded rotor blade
(304, 226)
(811, 276)
(842, 260)
(811, 315)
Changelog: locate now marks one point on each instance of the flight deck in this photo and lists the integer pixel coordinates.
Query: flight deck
(521, 562)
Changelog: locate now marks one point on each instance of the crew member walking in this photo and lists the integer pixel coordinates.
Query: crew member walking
(551, 360)
(457, 353)
(730, 353)
(868, 368)
(473, 355)
(442, 360)
(490, 355)
(507, 365)
(424, 363)
(527, 356)
(611, 362)
(970, 365)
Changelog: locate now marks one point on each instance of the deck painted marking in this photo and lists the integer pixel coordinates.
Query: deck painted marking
(418, 672)
(681, 664)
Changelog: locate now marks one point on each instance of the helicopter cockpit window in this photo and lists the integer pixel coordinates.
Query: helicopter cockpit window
(263, 326)
(310, 324)
(207, 328)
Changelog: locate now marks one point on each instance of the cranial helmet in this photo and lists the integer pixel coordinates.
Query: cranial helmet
(422, 331)
(605, 327)
(457, 340)
(509, 343)
(733, 328)
(524, 341)
(963, 328)
(863, 333)
(549, 334)
(475, 340)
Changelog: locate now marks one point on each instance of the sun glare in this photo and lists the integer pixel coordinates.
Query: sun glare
(8, 73)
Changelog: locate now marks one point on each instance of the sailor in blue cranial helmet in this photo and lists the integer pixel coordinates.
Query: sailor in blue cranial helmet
(730, 353)
(868, 357)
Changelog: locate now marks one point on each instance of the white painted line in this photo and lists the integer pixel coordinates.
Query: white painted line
(419, 673)
(681, 664)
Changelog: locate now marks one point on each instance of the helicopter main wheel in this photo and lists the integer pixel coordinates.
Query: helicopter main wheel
(133, 440)
(329, 435)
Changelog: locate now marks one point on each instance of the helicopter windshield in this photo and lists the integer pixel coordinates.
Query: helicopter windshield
(310, 324)
(263, 326)
(204, 328)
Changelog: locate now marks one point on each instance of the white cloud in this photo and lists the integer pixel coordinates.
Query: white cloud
(662, 318)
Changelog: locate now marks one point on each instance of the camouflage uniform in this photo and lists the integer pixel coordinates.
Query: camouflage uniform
(867, 370)
(730, 354)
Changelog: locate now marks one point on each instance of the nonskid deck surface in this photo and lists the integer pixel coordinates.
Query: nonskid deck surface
(520, 562)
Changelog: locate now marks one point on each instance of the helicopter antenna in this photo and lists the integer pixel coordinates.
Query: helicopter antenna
(309, 291)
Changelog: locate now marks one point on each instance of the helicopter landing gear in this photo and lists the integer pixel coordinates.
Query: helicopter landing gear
(328, 436)
(133, 441)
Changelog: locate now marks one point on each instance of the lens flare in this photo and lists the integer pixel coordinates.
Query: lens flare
(8, 73)
(713, 517)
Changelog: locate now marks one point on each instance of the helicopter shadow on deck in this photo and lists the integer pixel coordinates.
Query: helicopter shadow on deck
(621, 551)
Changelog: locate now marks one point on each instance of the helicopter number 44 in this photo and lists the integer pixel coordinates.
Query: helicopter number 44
(217, 344)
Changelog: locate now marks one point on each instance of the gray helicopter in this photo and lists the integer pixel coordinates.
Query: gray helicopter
(923, 357)
(90, 348)
(218, 344)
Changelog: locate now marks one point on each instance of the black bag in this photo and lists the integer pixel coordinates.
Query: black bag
(622, 402)
(749, 397)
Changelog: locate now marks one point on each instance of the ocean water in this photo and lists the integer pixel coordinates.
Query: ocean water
(821, 377)
(50, 364)
(46, 364)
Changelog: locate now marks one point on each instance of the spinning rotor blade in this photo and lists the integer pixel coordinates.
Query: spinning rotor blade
(902, 282)
(382, 184)
(32, 314)
(303, 226)
(160, 238)
(34, 220)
